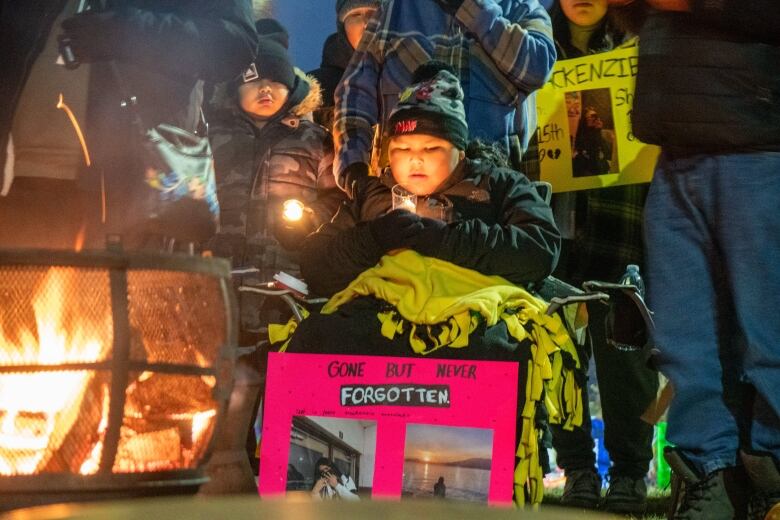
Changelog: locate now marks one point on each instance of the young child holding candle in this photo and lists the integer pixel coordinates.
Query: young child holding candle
(496, 223)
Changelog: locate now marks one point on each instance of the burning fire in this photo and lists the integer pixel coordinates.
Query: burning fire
(57, 420)
(38, 409)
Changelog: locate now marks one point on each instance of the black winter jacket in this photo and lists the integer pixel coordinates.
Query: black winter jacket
(500, 227)
(709, 81)
(164, 50)
(336, 53)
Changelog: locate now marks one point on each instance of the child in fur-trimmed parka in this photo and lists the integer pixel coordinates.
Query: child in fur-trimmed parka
(268, 151)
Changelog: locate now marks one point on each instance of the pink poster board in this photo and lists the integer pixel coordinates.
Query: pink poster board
(396, 393)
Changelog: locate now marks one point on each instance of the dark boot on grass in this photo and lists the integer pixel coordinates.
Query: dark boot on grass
(626, 495)
(582, 489)
(720, 495)
(763, 471)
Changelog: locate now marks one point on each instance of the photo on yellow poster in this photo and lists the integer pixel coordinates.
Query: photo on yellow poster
(584, 124)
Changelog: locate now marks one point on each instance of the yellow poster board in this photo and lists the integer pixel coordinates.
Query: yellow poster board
(584, 117)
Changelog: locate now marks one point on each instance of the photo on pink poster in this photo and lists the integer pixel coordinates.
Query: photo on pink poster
(447, 462)
(331, 458)
(366, 414)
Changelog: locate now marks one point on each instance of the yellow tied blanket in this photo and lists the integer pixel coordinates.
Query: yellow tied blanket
(426, 292)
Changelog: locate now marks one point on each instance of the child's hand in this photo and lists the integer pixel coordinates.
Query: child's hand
(395, 230)
(430, 237)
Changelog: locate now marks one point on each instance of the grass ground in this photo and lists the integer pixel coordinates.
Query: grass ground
(657, 502)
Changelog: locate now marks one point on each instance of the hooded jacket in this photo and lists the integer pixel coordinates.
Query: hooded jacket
(500, 227)
(164, 49)
(259, 166)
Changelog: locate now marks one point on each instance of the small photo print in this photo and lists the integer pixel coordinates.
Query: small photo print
(331, 459)
(447, 463)
(592, 132)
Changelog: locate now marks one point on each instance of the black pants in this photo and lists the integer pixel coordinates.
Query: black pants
(627, 386)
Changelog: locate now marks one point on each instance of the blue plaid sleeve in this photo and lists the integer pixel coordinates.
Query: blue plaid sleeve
(520, 44)
(357, 101)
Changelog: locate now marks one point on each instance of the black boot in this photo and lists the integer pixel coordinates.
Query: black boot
(719, 495)
(762, 468)
(582, 489)
(626, 495)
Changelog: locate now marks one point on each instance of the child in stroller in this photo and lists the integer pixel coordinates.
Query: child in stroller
(449, 273)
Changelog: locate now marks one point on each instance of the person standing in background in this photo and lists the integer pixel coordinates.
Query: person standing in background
(605, 234)
(440, 489)
(502, 50)
(352, 18)
(163, 52)
(707, 93)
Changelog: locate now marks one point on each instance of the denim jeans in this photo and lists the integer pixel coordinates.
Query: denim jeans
(712, 226)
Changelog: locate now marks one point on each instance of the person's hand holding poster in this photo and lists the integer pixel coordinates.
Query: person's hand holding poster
(584, 133)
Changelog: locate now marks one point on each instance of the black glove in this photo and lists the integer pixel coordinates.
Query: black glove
(450, 6)
(395, 230)
(427, 241)
(91, 36)
(291, 234)
(353, 177)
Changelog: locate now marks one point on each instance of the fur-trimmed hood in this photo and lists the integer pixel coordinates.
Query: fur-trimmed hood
(225, 107)
(313, 99)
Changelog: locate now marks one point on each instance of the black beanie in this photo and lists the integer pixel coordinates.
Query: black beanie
(432, 106)
(271, 28)
(272, 61)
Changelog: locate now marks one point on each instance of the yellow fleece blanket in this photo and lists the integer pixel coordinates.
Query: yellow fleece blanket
(444, 303)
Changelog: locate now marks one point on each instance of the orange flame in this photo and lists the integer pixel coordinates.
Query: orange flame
(78, 245)
(37, 410)
(92, 464)
(40, 410)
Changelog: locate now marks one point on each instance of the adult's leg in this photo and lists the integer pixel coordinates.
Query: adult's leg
(684, 269)
(626, 386)
(749, 236)
(574, 448)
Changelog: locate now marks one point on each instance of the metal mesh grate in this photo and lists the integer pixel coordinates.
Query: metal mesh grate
(76, 400)
(53, 426)
(169, 421)
(50, 316)
(175, 317)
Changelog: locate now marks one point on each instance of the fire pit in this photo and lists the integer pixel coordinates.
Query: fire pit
(114, 371)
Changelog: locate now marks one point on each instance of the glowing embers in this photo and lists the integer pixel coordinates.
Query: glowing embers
(40, 409)
(169, 420)
(56, 369)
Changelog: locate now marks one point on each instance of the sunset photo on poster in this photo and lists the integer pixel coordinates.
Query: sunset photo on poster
(446, 462)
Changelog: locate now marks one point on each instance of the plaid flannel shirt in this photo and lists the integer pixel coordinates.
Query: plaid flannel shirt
(502, 50)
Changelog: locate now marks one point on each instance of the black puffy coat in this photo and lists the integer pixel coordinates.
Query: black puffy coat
(500, 227)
